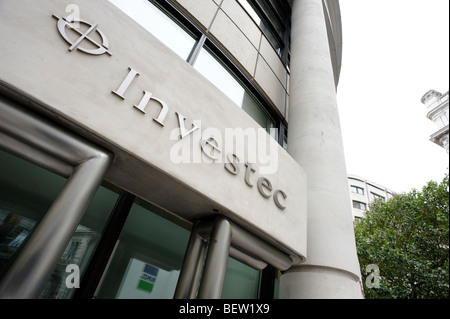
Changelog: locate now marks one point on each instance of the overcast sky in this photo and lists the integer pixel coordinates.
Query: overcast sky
(394, 51)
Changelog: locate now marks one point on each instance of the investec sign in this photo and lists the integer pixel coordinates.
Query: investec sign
(116, 80)
(264, 185)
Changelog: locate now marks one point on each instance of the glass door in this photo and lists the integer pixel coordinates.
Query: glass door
(26, 193)
(45, 190)
(55, 211)
(147, 257)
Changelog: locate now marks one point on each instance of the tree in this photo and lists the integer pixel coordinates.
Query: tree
(403, 244)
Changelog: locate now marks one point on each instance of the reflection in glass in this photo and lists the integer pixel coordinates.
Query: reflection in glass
(241, 281)
(276, 290)
(158, 24)
(263, 25)
(215, 72)
(26, 193)
(210, 68)
(82, 245)
(14, 230)
(147, 258)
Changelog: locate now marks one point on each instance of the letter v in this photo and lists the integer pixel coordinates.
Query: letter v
(184, 132)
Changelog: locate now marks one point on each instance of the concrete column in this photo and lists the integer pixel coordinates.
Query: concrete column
(331, 269)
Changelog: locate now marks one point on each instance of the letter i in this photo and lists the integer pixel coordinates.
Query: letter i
(126, 83)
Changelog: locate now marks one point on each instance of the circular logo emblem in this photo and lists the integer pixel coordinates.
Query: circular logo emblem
(83, 34)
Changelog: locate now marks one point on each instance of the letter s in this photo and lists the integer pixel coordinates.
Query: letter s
(231, 166)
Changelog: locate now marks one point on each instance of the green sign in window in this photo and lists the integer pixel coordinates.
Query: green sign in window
(145, 285)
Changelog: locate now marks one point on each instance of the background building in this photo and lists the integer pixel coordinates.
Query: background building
(438, 112)
(363, 192)
(173, 148)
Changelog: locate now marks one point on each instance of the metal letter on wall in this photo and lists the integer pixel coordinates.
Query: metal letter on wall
(183, 131)
(146, 99)
(65, 23)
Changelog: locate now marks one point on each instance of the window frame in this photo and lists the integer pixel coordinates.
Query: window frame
(204, 39)
(357, 190)
(360, 205)
(285, 23)
(240, 78)
(375, 196)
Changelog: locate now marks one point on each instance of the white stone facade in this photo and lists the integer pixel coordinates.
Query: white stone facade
(438, 112)
(363, 192)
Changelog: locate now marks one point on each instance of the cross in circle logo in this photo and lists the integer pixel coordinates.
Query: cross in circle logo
(87, 32)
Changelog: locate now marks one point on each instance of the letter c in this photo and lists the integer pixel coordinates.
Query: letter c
(277, 199)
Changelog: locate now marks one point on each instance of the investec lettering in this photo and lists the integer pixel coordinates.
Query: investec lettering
(209, 145)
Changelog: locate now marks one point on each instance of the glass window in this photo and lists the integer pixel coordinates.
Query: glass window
(159, 24)
(374, 196)
(276, 290)
(359, 205)
(357, 219)
(214, 71)
(262, 25)
(272, 15)
(27, 191)
(147, 258)
(272, 18)
(241, 281)
(285, 139)
(210, 68)
(251, 12)
(166, 28)
(82, 245)
(26, 194)
(357, 190)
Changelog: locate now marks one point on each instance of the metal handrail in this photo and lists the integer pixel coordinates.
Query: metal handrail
(30, 271)
(226, 239)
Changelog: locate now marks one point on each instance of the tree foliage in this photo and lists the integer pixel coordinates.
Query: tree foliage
(407, 239)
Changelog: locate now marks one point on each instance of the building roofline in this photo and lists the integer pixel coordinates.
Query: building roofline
(376, 185)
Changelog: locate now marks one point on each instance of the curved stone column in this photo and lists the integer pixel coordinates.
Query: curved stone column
(331, 269)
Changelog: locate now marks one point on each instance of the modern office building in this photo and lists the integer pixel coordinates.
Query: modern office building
(438, 112)
(363, 192)
(173, 149)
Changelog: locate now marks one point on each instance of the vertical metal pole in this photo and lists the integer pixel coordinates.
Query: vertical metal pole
(216, 260)
(196, 50)
(190, 270)
(198, 273)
